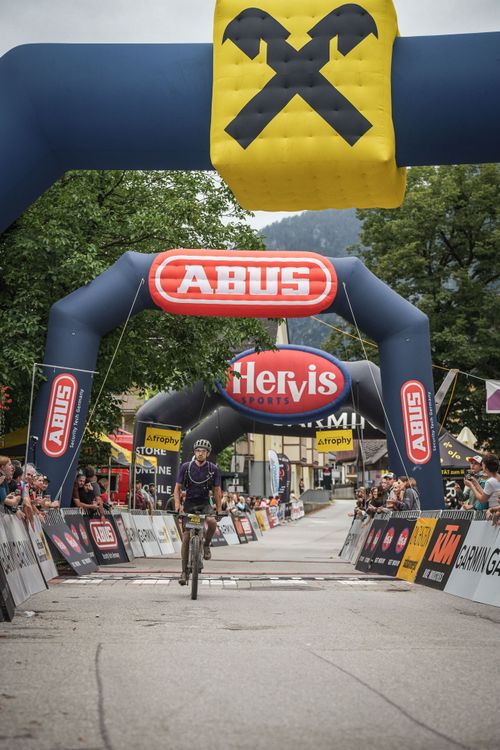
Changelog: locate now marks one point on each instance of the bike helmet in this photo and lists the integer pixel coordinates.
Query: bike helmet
(202, 443)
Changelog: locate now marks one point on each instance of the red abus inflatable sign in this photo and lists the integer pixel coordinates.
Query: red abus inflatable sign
(242, 284)
(416, 422)
(290, 384)
(59, 415)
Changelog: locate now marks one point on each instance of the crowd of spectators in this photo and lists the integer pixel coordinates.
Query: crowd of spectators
(23, 490)
(481, 492)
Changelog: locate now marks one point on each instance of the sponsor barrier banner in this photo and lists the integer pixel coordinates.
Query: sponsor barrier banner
(239, 529)
(227, 527)
(273, 516)
(175, 536)
(476, 552)
(108, 546)
(67, 546)
(120, 525)
(392, 546)
(247, 528)
(130, 528)
(162, 535)
(360, 543)
(146, 534)
(76, 524)
(442, 552)
(347, 551)
(488, 588)
(218, 539)
(18, 561)
(42, 551)
(7, 605)
(262, 520)
(372, 542)
(415, 550)
(255, 524)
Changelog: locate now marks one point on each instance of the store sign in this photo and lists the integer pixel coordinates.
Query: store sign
(290, 383)
(242, 284)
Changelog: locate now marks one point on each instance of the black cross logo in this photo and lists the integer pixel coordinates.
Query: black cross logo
(297, 71)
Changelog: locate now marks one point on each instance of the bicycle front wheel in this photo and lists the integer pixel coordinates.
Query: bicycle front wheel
(195, 565)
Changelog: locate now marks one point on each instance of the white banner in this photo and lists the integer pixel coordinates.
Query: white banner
(146, 534)
(274, 470)
(173, 531)
(488, 588)
(360, 543)
(471, 562)
(18, 560)
(162, 535)
(227, 527)
(255, 524)
(128, 522)
(347, 552)
(42, 551)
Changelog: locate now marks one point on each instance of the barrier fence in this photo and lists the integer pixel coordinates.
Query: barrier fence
(457, 552)
(76, 542)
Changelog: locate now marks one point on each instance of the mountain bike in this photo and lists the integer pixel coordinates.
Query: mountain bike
(195, 523)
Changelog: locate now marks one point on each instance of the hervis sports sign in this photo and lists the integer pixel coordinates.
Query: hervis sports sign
(290, 384)
(242, 284)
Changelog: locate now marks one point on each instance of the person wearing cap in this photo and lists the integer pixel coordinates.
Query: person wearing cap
(470, 502)
(489, 493)
(198, 477)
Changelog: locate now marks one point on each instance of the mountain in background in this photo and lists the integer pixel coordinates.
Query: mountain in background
(328, 233)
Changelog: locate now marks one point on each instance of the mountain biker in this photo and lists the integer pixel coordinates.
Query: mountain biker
(198, 476)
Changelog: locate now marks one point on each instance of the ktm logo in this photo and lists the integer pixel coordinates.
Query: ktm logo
(59, 415)
(416, 422)
(446, 545)
(297, 72)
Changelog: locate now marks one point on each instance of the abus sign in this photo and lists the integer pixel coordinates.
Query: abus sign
(288, 385)
(103, 535)
(416, 422)
(242, 284)
(59, 415)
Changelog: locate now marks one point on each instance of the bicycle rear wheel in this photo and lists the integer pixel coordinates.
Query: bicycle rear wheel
(195, 565)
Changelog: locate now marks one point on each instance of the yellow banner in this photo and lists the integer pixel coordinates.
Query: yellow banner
(158, 437)
(415, 551)
(302, 105)
(334, 440)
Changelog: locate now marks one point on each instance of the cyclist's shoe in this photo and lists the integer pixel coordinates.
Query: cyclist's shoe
(183, 579)
(207, 555)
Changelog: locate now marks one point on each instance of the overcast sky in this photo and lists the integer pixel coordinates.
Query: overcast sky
(24, 21)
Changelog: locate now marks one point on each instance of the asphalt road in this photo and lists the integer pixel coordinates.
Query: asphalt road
(277, 657)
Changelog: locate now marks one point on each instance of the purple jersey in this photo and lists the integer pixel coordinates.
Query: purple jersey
(198, 481)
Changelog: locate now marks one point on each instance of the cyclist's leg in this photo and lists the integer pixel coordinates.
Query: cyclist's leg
(184, 557)
(211, 526)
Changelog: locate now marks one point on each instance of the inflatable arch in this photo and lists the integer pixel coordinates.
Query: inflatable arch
(177, 280)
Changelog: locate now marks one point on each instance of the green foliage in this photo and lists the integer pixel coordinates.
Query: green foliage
(441, 251)
(73, 233)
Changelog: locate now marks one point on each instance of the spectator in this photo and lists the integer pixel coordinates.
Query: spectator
(84, 497)
(40, 498)
(152, 494)
(150, 503)
(139, 499)
(470, 501)
(408, 498)
(378, 500)
(301, 486)
(490, 493)
(6, 472)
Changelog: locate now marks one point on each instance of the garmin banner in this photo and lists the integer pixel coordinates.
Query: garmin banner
(226, 525)
(131, 531)
(161, 442)
(476, 569)
(7, 605)
(351, 540)
(146, 534)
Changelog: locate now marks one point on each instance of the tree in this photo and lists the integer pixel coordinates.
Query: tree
(79, 228)
(441, 251)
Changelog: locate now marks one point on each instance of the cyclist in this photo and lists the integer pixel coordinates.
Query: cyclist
(198, 477)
